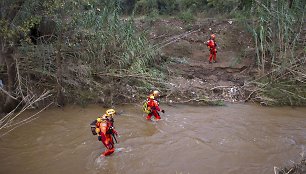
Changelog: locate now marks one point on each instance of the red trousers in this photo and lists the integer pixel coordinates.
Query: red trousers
(108, 143)
(155, 113)
(213, 55)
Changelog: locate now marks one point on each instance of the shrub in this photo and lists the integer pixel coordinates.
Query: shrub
(187, 16)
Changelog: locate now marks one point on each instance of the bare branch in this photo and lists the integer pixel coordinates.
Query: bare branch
(27, 120)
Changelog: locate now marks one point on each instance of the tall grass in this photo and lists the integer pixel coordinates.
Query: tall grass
(278, 32)
(104, 58)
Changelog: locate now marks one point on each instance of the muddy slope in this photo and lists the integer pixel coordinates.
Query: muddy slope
(190, 74)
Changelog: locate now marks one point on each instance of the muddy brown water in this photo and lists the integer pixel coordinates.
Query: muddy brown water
(232, 139)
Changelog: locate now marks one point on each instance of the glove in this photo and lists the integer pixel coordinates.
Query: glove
(115, 132)
(110, 130)
(99, 138)
(163, 111)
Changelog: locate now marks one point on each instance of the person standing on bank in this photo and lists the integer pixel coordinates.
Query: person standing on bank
(212, 46)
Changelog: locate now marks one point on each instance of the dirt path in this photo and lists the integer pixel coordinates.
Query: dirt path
(190, 74)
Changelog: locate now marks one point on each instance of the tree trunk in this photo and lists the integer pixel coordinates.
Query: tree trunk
(10, 86)
(290, 3)
(8, 13)
(2, 96)
(59, 76)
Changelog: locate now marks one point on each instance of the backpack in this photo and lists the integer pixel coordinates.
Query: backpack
(145, 107)
(93, 127)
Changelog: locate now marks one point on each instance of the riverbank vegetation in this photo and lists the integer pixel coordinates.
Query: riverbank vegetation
(89, 51)
(54, 52)
(296, 168)
(76, 51)
(279, 35)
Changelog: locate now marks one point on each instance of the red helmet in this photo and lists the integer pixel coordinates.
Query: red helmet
(212, 36)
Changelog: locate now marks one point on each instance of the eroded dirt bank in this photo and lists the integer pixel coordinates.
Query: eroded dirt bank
(191, 77)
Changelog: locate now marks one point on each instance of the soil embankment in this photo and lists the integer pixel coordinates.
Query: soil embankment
(191, 77)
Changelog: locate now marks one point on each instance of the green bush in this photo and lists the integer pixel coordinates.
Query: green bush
(152, 16)
(145, 6)
(194, 5)
(168, 7)
(224, 6)
(173, 7)
(187, 16)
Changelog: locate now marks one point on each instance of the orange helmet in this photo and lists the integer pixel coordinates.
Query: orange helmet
(212, 36)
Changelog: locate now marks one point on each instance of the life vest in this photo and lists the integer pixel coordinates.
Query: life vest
(145, 107)
(212, 45)
(153, 105)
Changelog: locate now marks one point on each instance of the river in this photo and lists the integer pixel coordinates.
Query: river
(232, 139)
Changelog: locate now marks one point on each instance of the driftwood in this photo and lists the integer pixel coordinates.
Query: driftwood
(7, 93)
(296, 168)
(198, 101)
(175, 38)
(9, 120)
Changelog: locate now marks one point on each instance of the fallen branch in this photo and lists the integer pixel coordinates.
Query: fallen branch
(7, 93)
(296, 168)
(293, 94)
(197, 100)
(291, 70)
(138, 76)
(7, 120)
(27, 120)
(216, 87)
(247, 99)
(176, 38)
(19, 79)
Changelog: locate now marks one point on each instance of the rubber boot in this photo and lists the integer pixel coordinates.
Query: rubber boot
(108, 152)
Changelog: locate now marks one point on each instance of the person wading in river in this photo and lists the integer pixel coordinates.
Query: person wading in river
(106, 132)
(110, 113)
(212, 45)
(155, 94)
(153, 108)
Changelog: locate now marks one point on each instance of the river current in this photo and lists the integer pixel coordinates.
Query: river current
(231, 139)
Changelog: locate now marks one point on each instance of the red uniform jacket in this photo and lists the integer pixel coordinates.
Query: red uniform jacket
(212, 45)
(153, 104)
